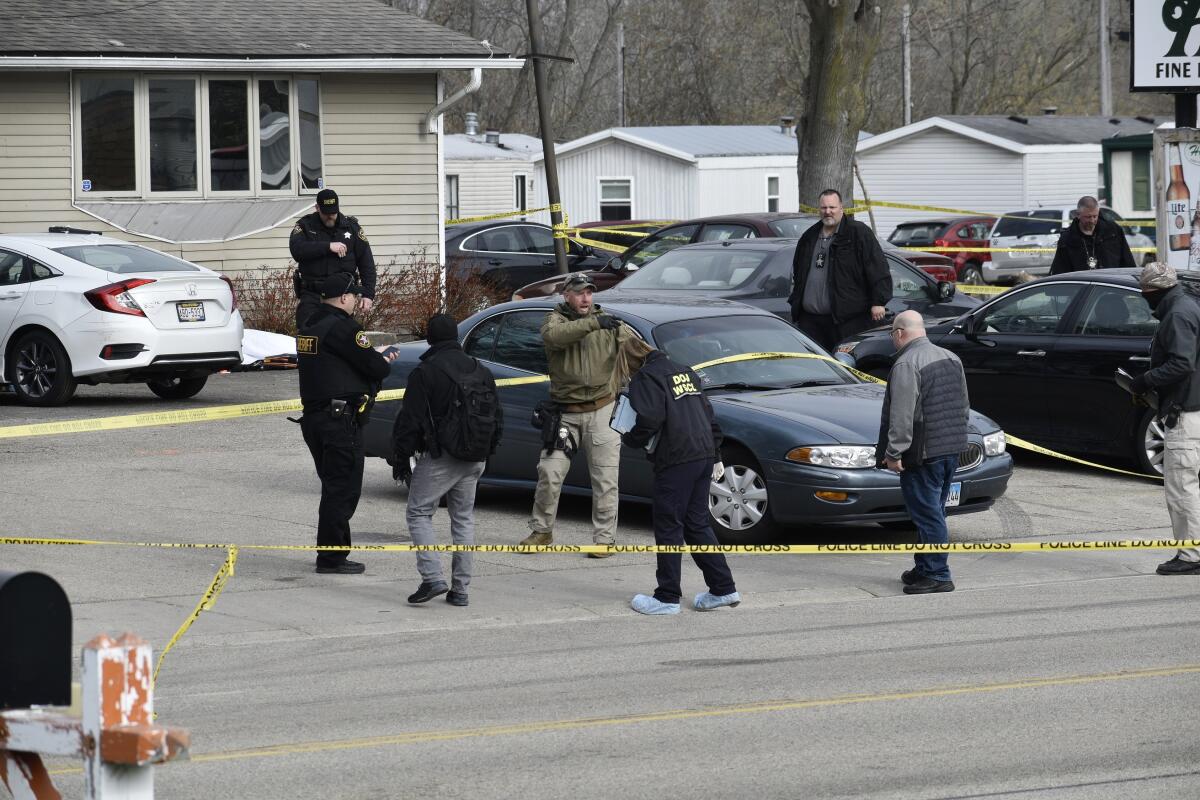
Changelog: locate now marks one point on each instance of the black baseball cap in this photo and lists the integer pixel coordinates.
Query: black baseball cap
(327, 201)
(338, 284)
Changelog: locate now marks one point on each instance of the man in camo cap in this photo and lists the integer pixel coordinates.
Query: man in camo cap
(1174, 375)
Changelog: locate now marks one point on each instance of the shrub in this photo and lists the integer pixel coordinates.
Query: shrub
(405, 298)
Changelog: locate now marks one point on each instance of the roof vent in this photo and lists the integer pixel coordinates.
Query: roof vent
(1147, 120)
(1021, 120)
(472, 124)
(491, 137)
(785, 125)
(1049, 111)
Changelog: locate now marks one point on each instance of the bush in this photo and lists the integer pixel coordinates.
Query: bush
(405, 298)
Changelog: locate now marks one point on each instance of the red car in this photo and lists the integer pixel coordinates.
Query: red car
(715, 229)
(956, 232)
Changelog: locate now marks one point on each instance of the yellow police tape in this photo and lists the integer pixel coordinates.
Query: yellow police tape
(968, 213)
(207, 601)
(254, 409)
(1007, 249)
(504, 215)
(980, 288)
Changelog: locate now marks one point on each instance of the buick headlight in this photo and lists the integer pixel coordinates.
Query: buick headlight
(993, 443)
(838, 456)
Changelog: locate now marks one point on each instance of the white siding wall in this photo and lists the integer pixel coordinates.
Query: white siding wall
(663, 187)
(1121, 167)
(742, 187)
(383, 168)
(1060, 176)
(487, 187)
(939, 168)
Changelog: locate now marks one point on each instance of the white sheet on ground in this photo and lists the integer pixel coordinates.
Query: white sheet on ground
(257, 345)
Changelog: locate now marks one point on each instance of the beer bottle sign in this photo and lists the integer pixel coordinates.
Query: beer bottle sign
(1178, 205)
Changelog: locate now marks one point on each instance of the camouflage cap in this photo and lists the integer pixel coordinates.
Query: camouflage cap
(1157, 276)
(578, 281)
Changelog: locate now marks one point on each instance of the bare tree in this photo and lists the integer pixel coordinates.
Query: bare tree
(843, 40)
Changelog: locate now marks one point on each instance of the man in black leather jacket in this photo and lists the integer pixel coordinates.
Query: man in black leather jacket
(1091, 242)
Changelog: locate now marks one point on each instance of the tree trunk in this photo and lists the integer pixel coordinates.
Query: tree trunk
(844, 36)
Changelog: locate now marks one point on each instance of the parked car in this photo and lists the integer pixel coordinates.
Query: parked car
(77, 307)
(510, 254)
(1039, 229)
(717, 229)
(620, 235)
(758, 272)
(956, 232)
(799, 433)
(1040, 360)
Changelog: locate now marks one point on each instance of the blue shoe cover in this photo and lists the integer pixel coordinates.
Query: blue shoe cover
(707, 601)
(644, 604)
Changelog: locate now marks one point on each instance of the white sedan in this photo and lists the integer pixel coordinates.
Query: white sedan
(79, 307)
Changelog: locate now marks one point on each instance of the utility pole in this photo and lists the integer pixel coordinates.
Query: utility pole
(543, 103)
(1106, 107)
(621, 74)
(906, 42)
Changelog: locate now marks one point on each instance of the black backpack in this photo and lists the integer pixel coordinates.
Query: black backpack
(466, 430)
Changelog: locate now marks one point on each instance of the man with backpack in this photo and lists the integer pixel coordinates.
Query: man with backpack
(451, 422)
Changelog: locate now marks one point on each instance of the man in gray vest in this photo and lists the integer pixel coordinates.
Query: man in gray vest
(923, 429)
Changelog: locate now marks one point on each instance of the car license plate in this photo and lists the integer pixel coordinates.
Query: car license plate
(955, 495)
(190, 311)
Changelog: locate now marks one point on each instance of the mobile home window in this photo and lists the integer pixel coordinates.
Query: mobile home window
(150, 135)
(772, 193)
(1141, 181)
(616, 198)
(519, 194)
(451, 197)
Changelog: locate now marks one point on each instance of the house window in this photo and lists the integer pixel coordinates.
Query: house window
(519, 194)
(143, 135)
(616, 198)
(772, 193)
(451, 197)
(172, 106)
(106, 135)
(1141, 181)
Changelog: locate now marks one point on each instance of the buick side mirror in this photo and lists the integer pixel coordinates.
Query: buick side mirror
(945, 290)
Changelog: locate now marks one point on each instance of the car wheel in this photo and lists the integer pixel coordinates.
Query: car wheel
(739, 503)
(176, 388)
(971, 275)
(41, 370)
(1148, 444)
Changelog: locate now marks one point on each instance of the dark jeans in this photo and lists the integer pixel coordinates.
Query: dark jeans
(829, 334)
(337, 451)
(925, 490)
(681, 517)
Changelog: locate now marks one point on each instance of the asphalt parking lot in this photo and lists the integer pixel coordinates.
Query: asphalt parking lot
(1059, 675)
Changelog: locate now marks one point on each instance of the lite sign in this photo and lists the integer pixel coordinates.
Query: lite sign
(1165, 52)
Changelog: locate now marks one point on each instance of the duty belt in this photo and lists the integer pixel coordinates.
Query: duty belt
(581, 408)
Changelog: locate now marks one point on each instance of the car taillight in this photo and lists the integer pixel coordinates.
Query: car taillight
(115, 297)
(232, 292)
(941, 243)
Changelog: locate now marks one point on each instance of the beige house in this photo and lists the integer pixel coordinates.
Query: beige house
(190, 128)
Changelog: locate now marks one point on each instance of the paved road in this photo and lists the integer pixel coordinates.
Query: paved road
(1052, 675)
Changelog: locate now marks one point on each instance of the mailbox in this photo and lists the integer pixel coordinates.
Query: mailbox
(35, 641)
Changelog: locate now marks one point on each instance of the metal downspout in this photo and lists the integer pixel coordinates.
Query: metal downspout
(436, 112)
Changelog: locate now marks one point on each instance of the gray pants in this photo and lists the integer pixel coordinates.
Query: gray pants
(456, 480)
(602, 447)
(1181, 474)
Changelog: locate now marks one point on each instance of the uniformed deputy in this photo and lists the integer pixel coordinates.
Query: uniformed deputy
(325, 243)
(340, 373)
(676, 421)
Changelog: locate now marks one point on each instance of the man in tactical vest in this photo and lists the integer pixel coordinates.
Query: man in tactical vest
(326, 243)
(340, 373)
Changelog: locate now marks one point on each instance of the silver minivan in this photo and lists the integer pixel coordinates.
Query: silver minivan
(1031, 237)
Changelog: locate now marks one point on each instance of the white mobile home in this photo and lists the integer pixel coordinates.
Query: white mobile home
(989, 164)
(205, 135)
(676, 172)
(490, 173)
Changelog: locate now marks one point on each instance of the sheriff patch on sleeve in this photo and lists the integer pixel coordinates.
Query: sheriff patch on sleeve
(361, 340)
(306, 345)
(297, 228)
(362, 235)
